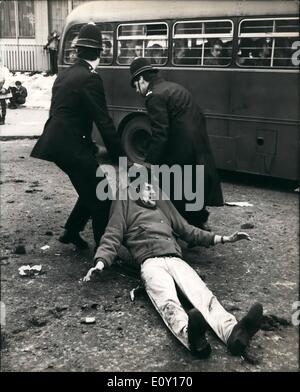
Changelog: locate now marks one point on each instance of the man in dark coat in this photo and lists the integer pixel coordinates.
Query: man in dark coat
(178, 134)
(78, 100)
(52, 47)
(19, 94)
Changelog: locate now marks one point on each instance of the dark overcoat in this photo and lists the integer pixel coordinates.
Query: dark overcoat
(179, 134)
(78, 100)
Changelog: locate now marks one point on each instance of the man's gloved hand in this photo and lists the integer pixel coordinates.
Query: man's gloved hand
(237, 236)
(98, 267)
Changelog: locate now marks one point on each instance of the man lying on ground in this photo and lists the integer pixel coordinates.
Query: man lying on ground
(150, 228)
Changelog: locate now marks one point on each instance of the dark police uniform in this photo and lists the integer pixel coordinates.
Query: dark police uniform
(78, 100)
(179, 137)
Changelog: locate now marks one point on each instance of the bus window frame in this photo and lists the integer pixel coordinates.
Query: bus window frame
(265, 35)
(139, 38)
(203, 36)
(82, 24)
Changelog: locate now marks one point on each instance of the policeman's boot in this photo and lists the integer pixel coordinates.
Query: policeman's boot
(197, 327)
(74, 238)
(245, 329)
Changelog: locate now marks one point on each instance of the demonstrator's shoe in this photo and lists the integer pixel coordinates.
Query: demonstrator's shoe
(245, 329)
(74, 238)
(197, 327)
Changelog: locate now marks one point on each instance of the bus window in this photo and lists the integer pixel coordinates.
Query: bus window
(267, 42)
(70, 52)
(106, 57)
(148, 40)
(206, 43)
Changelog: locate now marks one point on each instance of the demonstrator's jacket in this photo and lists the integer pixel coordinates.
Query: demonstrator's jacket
(78, 100)
(147, 232)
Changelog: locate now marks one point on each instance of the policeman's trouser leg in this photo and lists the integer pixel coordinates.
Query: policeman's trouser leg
(159, 275)
(88, 205)
(79, 217)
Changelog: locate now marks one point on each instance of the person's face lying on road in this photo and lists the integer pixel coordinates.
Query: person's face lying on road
(148, 194)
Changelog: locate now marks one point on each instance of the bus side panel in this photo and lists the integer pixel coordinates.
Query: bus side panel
(265, 94)
(268, 149)
(268, 142)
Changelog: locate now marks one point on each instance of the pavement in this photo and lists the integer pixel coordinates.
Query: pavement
(32, 121)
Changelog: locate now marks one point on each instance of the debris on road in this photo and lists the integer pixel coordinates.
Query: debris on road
(89, 306)
(61, 308)
(238, 204)
(20, 250)
(37, 321)
(33, 190)
(49, 232)
(88, 320)
(136, 292)
(272, 322)
(26, 270)
(247, 226)
(45, 247)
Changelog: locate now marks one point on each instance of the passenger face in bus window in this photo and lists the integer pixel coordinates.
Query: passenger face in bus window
(214, 56)
(106, 54)
(180, 52)
(216, 50)
(263, 53)
(156, 54)
(138, 51)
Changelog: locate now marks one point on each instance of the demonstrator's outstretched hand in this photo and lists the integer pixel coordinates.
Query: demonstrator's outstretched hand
(237, 236)
(99, 267)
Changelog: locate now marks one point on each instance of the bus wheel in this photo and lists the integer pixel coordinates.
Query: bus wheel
(135, 138)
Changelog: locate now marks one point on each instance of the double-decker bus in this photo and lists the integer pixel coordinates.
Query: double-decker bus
(239, 59)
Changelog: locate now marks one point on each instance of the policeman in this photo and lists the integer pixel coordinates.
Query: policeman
(178, 135)
(78, 100)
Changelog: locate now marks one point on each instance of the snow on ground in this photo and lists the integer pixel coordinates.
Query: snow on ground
(38, 86)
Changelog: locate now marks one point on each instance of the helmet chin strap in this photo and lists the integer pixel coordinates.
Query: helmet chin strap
(139, 87)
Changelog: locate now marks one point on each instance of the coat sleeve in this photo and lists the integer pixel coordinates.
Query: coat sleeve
(95, 104)
(23, 92)
(158, 113)
(113, 236)
(191, 234)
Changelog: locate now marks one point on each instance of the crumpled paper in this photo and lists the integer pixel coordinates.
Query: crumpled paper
(238, 204)
(26, 270)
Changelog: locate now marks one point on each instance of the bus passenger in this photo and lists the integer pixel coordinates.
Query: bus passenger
(262, 54)
(215, 55)
(178, 135)
(106, 55)
(78, 100)
(156, 54)
(138, 50)
(181, 54)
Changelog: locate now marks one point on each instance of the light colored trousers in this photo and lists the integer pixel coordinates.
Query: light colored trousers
(160, 274)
